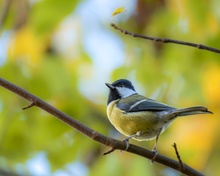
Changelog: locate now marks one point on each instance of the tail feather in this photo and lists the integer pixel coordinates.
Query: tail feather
(192, 111)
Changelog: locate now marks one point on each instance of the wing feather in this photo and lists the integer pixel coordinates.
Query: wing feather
(141, 103)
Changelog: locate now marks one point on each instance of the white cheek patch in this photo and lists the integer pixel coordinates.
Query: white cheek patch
(125, 92)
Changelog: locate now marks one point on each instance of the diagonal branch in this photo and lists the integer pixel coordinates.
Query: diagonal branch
(166, 40)
(110, 142)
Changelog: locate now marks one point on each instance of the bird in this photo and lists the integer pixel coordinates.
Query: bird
(141, 118)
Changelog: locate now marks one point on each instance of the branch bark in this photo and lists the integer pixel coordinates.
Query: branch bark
(166, 40)
(110, 142)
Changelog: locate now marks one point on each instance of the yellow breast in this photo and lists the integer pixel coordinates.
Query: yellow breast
(132, 122)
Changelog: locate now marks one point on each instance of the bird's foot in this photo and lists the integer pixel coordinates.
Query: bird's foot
(155, 152)
(126, 140)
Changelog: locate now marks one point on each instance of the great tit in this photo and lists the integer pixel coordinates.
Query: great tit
(141, 118)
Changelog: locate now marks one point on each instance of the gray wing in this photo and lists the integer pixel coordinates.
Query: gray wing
(142, 104)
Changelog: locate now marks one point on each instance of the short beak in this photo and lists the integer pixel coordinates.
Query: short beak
(109, 86)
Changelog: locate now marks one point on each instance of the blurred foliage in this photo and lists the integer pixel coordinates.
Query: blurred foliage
(177, 75)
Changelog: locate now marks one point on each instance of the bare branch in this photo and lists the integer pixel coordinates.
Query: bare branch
(178, 156)
(166, 40)
(110, 142)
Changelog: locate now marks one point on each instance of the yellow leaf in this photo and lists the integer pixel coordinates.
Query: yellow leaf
(212, 83)
(118, 10)
(27, 45)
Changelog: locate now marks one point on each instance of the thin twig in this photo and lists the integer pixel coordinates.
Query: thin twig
(110, 151)
(166, 40)
(28, 106)
(113, 143)
(178, 156)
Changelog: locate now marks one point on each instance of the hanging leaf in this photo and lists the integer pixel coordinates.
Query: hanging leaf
(118, 10)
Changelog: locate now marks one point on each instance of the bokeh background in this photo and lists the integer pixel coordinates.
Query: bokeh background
(64, 52)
